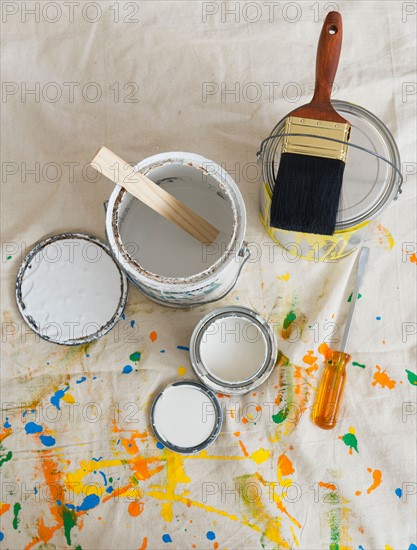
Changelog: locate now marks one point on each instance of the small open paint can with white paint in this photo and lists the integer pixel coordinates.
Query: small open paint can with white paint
(233, 350)
(186, 417)
(69, 289)
(163, 261)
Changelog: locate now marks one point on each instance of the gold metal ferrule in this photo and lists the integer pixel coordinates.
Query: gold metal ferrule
(316, 146)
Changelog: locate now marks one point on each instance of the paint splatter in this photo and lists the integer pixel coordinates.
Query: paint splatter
(285, 467)
(181, 370)
(350, 297)
(16, 509)
(47, 440)
(127, 369)
(399, 492)
(184, 348)
(135, 356)
(5, 458)
(412, 547)
(386, 239)
(135, 508)
(7, 424)
(413, 258)
(281, 415)
(356, 364)
(284, 277)
(69, 519)
(412, 378)
(1, 536)
(210, 535)
(382, 378)
(159, 445)
(153, 336)
(378, 317)
(132, 323)
(377, 477)
(81, 380)
(33, 428)
(166, 538)
(58, 395)
(260, 456)
(350, 440)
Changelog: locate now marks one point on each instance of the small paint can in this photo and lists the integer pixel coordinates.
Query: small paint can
(186, 417)
(165, 263)
(233, 350)
(372, 179)
(69, 289)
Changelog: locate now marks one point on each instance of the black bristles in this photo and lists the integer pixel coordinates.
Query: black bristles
(306, 194)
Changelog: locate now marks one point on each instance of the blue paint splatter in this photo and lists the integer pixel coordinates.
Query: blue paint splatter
(127, 369)
(123, 316)
(104, 477)
(89, 502)
(47, 440)
(160, 446)
(210, 535)
(32, 428)
(399, 492)
(132, 323)
(7, 423)
(24, 414)
(161, 351)
(412, 547)
(1, 536)
(109, 489)
(97, 459)
(81, 380)
(166, 538)
(184, 348)
(56, 398)
(361, 547)
(35, 490)
(378, 318)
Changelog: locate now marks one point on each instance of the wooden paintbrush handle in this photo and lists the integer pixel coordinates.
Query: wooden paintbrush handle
(117, 170)
(328, 54)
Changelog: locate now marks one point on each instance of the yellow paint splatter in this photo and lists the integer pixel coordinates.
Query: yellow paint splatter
(260, 456)
(382, 378)
(68, 398)
(284, 277)
(181, 370)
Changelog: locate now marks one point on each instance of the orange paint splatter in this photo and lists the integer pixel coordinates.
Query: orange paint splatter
(135, 508)
(245, 420)
(325, 351)
(244, 451)
(377, 477)
(357, 493)
(5, 432)
(330, 486)
(237, 434)
(4, 508)
(144, 543)
(153, 336)
(285, 466)
(309, 358)
(258, 408)
(215, 545)
(382, 378)
(413, 258)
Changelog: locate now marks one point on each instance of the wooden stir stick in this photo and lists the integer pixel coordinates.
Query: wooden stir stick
(120, 172)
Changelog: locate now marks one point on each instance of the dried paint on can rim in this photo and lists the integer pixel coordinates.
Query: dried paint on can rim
(186, 417)
(233, 350)
(45, 295)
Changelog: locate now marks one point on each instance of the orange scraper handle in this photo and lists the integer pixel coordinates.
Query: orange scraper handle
(330, 393)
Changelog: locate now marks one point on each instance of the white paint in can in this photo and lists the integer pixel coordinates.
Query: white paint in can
(168, 265)
(233, 349)
(183, 416)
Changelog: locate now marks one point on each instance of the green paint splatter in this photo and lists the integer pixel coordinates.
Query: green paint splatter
(16, 509)
(135, 356)
(78, 547)
(289, 319)
(334, 522)
(281, 415)
(350, 297)
(5, 458)
(351, 441)
(361, 365)
(9, 257)
(412, 378)
(70, 520)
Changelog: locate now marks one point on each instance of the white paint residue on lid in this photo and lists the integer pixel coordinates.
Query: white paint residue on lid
(184, 416)
(71, 289)
(233, 349)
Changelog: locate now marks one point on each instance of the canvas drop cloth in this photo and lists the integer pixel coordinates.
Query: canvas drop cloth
(147, 77)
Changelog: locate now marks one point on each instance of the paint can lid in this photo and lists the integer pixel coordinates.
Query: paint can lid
(186, 417)
(69, 289)
(233, 350)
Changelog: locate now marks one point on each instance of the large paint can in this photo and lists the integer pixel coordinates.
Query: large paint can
(165, 263)
(372, 179)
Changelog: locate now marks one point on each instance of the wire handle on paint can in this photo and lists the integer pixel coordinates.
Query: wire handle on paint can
(373, 153)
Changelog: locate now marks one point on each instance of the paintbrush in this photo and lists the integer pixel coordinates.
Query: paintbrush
(309, 180)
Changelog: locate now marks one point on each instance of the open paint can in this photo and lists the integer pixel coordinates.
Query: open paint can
(186, 417)
(69, 289)
(371, 180)
(233, 350)
(164, 262)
